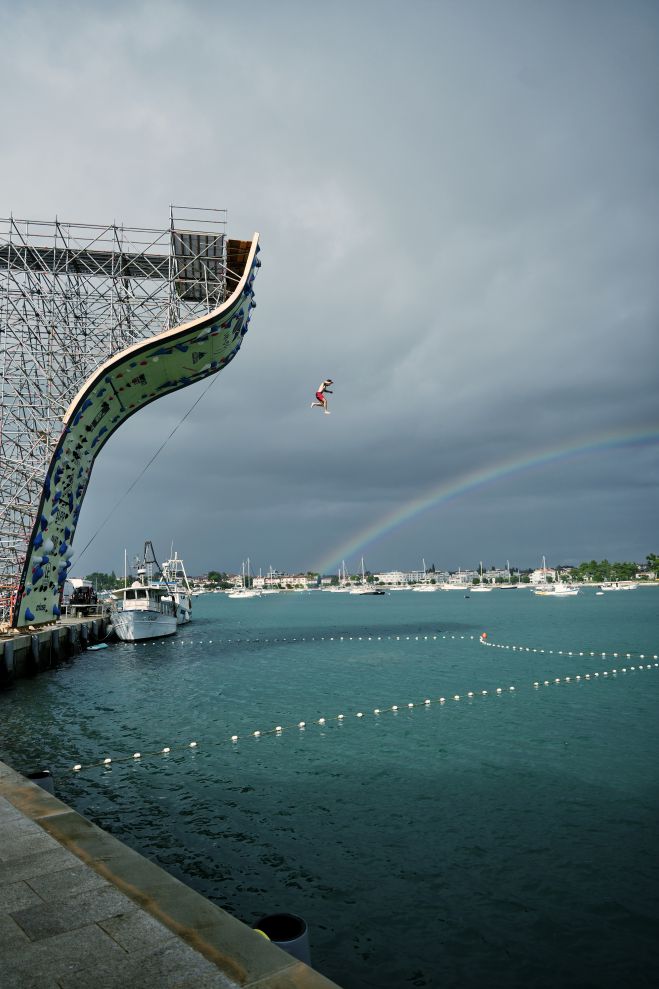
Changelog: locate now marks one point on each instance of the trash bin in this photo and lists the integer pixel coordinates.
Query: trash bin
(44, 779)
(289, 932)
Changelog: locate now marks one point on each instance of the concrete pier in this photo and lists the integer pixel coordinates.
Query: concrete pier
(80, 909)
(28, 652)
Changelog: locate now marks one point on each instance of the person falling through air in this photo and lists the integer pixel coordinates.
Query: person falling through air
(321, 401)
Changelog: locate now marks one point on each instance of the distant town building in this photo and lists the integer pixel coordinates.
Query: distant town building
(541, 575)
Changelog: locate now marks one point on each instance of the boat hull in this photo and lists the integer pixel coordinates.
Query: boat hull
(134, 626)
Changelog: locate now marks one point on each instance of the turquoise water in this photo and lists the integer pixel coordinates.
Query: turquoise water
(500, 840)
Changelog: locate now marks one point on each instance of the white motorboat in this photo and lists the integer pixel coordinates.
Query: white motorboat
(557, 590)
(147, 609)
(618, 585)
(143, 612)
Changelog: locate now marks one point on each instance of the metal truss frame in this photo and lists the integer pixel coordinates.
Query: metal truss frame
(71, 296)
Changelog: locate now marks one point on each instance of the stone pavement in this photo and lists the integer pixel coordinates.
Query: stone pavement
(80, 910)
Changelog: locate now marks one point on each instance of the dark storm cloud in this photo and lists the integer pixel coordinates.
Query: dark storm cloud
(458, 207)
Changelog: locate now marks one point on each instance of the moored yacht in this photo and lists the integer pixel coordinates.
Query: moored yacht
(244, 591)
(557, 590)
(364, 587)
(481, 588)
(145, 610)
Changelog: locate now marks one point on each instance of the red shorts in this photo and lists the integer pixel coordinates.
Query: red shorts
(320, 397)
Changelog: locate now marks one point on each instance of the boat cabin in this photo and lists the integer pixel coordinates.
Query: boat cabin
(139, 597)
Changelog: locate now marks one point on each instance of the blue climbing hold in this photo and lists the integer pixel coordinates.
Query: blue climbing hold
(29, 615)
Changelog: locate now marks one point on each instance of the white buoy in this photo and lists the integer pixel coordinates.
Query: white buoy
(360, 714)
(137, 755)
(394, 707)
(302, 724)
(106, 762)
(427, 700)
(340, 717)
(376, 711)
(278, 728)
(234, 738)
(321, 721)
(410, 704)
(193, 745)
(77, 767)
(257, 734)
(498, 690)
(167, 749)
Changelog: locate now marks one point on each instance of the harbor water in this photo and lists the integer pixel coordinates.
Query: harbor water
(500, 839)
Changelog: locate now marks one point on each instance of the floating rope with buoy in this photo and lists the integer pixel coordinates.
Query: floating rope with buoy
(303, 725)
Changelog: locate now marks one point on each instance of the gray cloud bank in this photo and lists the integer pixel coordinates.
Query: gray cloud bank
(458, 210)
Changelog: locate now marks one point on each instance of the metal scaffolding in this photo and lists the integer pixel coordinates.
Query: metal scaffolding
(71, 296)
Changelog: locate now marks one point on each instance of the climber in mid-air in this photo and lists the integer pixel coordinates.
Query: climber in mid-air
(321, 401)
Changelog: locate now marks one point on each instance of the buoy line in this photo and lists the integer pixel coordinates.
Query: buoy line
(484, 641)
(287, 640)
(426, 704)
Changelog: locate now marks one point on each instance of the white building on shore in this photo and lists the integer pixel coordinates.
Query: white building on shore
(542, 575)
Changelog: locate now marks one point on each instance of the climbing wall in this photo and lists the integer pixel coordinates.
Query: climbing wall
(125, 384)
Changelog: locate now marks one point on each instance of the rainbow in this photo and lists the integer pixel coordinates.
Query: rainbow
(455, 487)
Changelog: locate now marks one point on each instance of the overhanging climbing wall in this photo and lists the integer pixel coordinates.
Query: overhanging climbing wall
(123, 385)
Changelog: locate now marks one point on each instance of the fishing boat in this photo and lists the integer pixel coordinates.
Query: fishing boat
(145, 610)
(618, 585)
(175, 582)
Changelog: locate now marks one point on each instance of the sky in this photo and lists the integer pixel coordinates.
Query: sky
(458, 206)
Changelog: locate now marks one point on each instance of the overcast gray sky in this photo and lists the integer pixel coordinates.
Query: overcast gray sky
(459, 211)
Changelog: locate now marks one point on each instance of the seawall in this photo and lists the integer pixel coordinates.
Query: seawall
(26, 653)
(78, 908)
